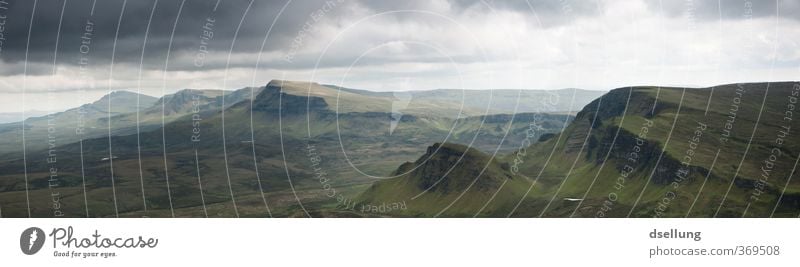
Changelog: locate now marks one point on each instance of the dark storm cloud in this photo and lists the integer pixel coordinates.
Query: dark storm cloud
(228, 13)
(726, 9)
(193, 16)
(187, 33)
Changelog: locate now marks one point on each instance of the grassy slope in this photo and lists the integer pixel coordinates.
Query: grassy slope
(692, 111)
(588, 159)
(449, 180)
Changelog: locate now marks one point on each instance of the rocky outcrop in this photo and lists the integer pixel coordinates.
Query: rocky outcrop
(274, 101)
(450, 167)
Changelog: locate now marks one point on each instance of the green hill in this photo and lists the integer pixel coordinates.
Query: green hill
(448, 180)
(725, 151)
(650, 152)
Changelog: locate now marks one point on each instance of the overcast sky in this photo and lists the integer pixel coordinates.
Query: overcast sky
(159, 47)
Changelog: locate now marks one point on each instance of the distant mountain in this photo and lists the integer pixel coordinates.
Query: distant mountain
(67, 126)
(174, 106)
(117, 102)
(264, 145)
(92, 120)
(184, 101)
(360, 116)
(9, 117)
(507, 101)
(472, 102)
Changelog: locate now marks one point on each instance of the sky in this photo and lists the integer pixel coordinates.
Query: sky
(57, 54)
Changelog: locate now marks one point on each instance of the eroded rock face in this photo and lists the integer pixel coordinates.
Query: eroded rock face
(272, 100)
(452, 168)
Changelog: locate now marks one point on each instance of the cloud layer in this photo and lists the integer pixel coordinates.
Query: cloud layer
(159, 47)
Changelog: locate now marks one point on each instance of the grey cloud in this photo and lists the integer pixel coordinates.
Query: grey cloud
(194, 13)
(725, 9)
(32, 69)
(544, 13)
(189, 27)
(187, 33)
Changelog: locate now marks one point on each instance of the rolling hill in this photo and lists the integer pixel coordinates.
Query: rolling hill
(725, 151)
(449, 180)
(675, 152)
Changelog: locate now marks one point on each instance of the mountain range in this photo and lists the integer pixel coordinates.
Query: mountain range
(296, 149)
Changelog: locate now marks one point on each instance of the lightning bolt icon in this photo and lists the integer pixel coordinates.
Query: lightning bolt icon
(34, 237)
(399, 103)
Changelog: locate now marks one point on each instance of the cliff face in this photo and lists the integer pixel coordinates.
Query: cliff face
(446, 168)
(273, 101)
(450, 180)
(670, 152)
(182, 102)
